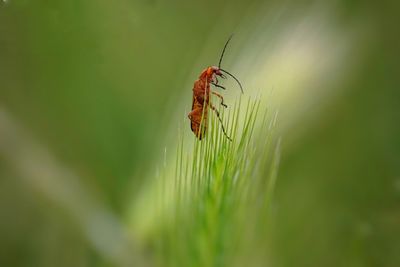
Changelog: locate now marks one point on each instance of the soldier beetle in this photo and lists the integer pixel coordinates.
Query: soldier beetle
(201, 97)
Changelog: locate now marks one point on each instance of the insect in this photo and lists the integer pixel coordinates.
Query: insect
(201, 97)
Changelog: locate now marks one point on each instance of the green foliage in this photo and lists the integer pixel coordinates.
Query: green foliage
(91, 90)
(217, 199)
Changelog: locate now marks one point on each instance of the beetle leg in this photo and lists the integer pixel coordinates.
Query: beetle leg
(219, 118)
(220, 96)
(195, 114)
(219, 86)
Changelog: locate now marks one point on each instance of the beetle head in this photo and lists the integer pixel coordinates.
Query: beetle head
(215, 70)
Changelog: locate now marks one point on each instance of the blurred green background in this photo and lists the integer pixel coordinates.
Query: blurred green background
(91, 92)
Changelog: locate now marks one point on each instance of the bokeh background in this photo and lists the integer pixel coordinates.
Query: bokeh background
(91, 93)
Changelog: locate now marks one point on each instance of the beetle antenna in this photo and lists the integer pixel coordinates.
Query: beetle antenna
(241, 88)
(223, 51)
